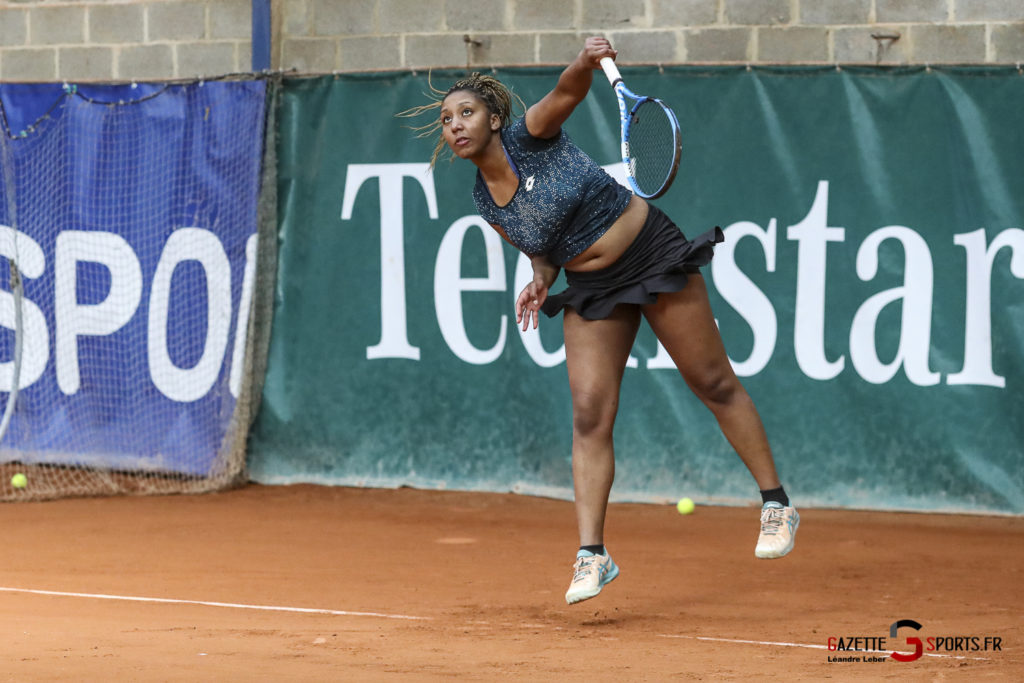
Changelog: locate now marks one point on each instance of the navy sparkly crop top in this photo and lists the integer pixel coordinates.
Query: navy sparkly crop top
(564, 201)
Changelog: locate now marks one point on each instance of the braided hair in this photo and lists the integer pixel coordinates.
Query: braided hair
(493, 93)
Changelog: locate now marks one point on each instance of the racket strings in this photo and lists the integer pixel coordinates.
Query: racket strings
(652, 146)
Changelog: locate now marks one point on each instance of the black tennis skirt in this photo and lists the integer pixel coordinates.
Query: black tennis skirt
(658, 260)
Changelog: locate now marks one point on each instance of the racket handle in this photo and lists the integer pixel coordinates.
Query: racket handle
(610, 70)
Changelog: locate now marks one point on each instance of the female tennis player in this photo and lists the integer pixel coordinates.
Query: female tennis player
(623, 259)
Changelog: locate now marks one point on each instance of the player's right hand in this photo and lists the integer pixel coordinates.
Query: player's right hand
(529, 302)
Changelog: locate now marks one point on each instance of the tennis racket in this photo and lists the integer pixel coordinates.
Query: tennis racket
(651, 141)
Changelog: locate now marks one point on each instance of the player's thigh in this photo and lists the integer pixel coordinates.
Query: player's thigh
(685, 326)
(596, 351)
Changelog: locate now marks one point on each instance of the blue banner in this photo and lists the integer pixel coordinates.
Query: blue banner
(131, 211)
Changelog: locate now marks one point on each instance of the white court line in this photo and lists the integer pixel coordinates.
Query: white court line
(206, 603)
(809, 646)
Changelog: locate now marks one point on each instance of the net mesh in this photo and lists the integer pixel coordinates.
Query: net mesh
(134, 215)
(653, 147)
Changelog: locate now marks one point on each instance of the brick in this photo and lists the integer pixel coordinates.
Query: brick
(434, 50)
(231, 19)
(352, 17)
(718, 45)
(988, 10)
(795, 44)
(559, 48)
(608, 15)
(888, 11)
(543, 15)
(947, 44)
(309, 55)
(757, 12)
(296, 18)
(176, 21)
(243, 56)
(56, 25)
(27, 64)
(687, 13)
(504, 49)
(856, 46)
(476, 16)
(1008, 43)
(646, 47)
(363, 53)
(206, 59)
(145, 62)
(834, 12)
(85, 63)
(117, 24)
(13, 27)
(395, 16)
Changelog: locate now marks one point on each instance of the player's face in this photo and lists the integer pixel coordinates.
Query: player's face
(466, 124)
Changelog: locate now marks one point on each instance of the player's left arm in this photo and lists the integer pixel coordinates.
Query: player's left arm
(535, 293)
(545, 118)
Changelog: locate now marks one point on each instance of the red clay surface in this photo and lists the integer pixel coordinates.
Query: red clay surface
(484, 576)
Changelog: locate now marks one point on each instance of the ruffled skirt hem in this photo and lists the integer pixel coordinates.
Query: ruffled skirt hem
(659, 260)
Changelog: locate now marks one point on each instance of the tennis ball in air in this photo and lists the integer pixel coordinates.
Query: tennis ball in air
(19, 481)
(685, 506)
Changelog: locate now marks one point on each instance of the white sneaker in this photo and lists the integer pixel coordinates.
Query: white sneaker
(589, 575)
(778, 530)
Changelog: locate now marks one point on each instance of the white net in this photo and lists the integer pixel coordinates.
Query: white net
(132, 213)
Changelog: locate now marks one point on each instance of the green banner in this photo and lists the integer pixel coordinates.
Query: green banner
(868, 292)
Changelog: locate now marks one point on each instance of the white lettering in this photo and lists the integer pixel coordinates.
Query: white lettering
(449, 286)
(73, 319)
(813, 235)
(746, 297)
(189, 384)
(978, 333)
(394, 341)
(19, 247)
(244, 313)
(915, 326)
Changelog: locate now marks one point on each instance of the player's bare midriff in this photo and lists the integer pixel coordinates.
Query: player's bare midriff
(611, 245)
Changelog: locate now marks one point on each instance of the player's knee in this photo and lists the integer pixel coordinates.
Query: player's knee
(717, 388)
(593, 414)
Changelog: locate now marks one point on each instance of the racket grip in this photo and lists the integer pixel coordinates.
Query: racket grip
(610, 70)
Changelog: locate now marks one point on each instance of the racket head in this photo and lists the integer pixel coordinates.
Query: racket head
(653, 144)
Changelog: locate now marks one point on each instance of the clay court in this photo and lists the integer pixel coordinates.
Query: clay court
(304, 583)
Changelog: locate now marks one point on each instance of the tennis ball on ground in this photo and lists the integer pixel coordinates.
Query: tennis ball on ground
(19, 481)
(685, 506)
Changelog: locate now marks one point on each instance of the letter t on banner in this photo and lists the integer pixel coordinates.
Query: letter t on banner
(394, 340)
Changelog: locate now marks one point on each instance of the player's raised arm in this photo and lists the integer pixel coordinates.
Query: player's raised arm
(545, 118)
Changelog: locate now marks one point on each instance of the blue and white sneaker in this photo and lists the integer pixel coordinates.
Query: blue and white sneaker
(778, 530)
(589, 575)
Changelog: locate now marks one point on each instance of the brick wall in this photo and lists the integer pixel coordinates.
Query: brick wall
(46, 40)
(151, 39)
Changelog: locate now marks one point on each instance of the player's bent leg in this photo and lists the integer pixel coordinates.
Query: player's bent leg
(685, 325)
(778, 530)
(590, 574)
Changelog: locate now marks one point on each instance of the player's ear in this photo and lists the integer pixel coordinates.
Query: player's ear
(495, 122)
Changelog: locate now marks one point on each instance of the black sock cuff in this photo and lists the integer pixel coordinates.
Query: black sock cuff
(775, 495)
